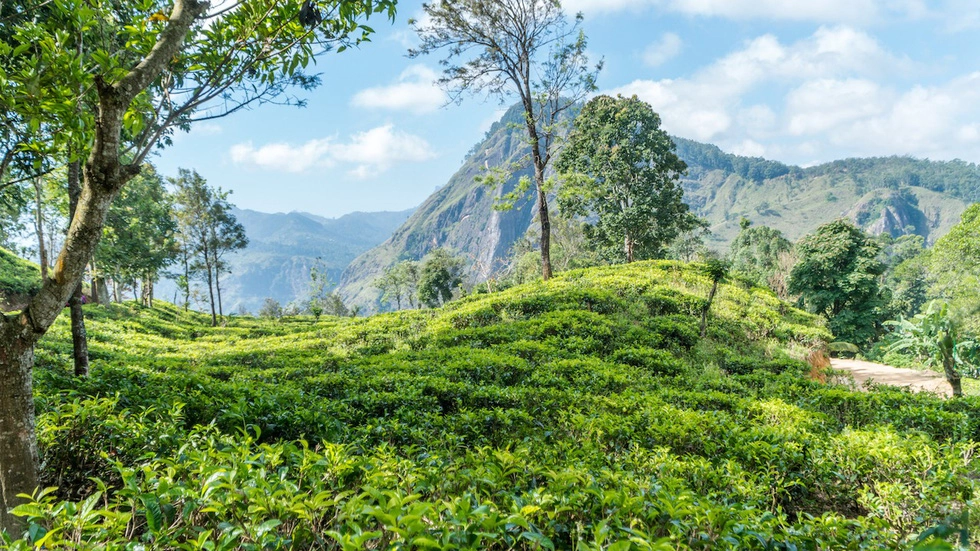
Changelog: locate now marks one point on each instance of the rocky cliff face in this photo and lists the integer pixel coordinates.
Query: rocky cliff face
(894, 195)
(459, 216)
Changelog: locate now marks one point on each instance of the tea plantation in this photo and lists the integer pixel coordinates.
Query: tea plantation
(585, 413)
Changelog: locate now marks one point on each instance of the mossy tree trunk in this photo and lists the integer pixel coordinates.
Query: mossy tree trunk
(104, 175)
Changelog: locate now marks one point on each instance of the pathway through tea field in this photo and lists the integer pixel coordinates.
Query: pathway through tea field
(862, 371)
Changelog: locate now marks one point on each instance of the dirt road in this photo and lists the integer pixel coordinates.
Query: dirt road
(862, 371)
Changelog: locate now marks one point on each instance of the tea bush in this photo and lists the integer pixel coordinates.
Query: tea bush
(582, 413)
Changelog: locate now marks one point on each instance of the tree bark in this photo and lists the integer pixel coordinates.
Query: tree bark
(217, 287)
(104, 176)
(210, 278)
(18, 452)
(949, 366)
(545, 234)
(79, 337)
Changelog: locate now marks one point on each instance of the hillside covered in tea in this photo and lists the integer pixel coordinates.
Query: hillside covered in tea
(582, 413)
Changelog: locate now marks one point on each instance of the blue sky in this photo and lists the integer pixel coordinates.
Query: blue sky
(800, 81)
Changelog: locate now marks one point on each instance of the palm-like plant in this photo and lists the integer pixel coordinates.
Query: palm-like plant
(934, 336)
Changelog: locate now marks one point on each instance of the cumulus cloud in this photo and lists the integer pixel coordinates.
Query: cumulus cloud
(369, 153)
(415, 91)
(663, 50)
(827, 95)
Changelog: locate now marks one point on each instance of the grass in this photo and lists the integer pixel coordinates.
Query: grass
(583, 413)
(18, 277)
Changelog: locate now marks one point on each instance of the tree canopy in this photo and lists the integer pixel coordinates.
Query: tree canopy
(756, 252)
(838, 276)
(620, 166)
(955, 265)
(150, 67)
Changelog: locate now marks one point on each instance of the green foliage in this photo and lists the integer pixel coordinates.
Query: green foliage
(837, 276)
(619, 166)
(907, 276)
(955, 265)
(581, 413)
(441, 275)
(317, 295)
(933, 336)
(756, 251)
(138, 239)
(17, 276)
(271, 309)
(400, 283)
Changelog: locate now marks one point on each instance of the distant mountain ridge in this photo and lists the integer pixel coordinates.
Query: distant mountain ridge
(284, 246)
(894, 195)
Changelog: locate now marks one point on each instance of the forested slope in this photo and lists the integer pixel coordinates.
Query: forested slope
(895, 195)
(582, 413)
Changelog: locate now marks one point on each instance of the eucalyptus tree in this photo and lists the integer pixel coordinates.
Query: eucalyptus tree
(525, 48)
(179, 63)
(209, 232)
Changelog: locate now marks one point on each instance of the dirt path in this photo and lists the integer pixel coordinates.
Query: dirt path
(862, 371)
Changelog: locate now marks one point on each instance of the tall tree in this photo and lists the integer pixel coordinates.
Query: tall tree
(175, 70)
(139, 235)
(514, 47)
(400, 283)
(620, 166)
(210, 231)
(838, 276)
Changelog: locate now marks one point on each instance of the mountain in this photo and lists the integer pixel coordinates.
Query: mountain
(459, 216)
(283, 247)
(894, 195)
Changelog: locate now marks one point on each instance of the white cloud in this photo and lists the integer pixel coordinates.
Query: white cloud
(370, 153)
(820, 105)
(416, 91)
(828, 95)
(663, 50)
(378, 149)
(283, 156)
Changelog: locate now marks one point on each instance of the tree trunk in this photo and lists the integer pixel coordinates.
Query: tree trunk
(187, 281)
(148, 285)
(42, 252)
(104, 176)
(628, 245)
(79, 337)
(704, 313)
(103, 288)
(217, 288)
(207, 266)
(949, 366)
(18, 454)
(545, 234)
